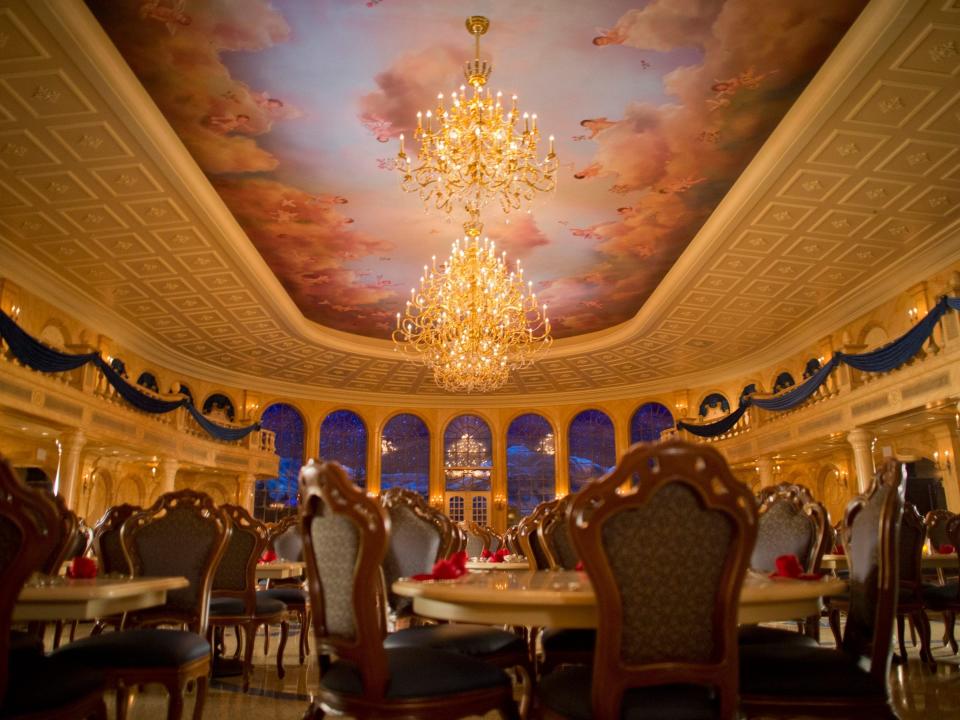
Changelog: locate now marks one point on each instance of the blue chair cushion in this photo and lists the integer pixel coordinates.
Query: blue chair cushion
(46, 684)
(472, 640)
(567, 692)
(232, 607)
(24, 646)
(420, 672)
(148, 647)
(940, 596)
(760, 635)
(788, 670)
(288, 595)
(568, 640)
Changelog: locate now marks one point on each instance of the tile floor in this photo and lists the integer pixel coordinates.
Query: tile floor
(918, 693)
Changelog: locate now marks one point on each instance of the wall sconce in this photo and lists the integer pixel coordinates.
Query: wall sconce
(913, 314)
(373, 494)
(500, 500)
(561, 494)
(437, 501)
(942, 461)
(15, 311)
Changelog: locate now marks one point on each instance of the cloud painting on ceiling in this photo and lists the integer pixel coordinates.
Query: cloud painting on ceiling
(293, 110)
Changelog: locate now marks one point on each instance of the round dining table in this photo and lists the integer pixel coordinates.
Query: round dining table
(565, 599)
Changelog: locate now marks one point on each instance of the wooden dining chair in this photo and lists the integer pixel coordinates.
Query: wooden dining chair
(945, 598)
(530, 538)
(478, 540)
(853, 679)
(555, 533)
(234, 600)
(791, 522)
(345, 542)
(285, 540)
(32, 685)
(183, 534)
(666, 559)
(108, 550)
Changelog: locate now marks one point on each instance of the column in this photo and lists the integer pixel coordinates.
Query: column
(71, 447)
(765, 466)
(167, 474)
(246, 490)
(860, 440)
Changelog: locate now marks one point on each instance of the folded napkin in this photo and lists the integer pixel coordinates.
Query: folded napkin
(82, 567)
(789, 567)
(495, 557)
(839, 550)
(267, 557)
(579, 565)
(946, 549)
(449, 569)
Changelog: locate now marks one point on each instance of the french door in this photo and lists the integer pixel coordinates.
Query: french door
(468, 505)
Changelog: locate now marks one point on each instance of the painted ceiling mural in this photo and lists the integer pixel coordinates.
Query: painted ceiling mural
(293, 110)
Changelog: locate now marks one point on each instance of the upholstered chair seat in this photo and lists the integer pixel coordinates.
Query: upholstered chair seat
(146, 647)
(474, 640)
(563, 640)
(233, 606)
(24, 646)
(287, 595)
(47, 684)
(566, 692)
(940, 597)
(761, 635)
(779, 669)
(420, 672)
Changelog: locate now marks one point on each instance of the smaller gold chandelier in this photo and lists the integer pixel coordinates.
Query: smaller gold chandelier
(476, 154)
(473, 321)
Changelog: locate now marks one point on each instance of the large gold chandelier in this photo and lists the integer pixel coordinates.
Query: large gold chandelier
(473, 152)
(473, 321)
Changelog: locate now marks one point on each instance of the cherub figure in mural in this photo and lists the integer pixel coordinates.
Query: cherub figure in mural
(609, 36)
(386, 163)
(168, 12)
(587, 233)
(619, 189)
(327, 200)
(578, 138)
(380, 127)
(284, 216)
(227, 123)
(597, 125)
(709, 136)
(590, 171)
(627, 212)
(681, 186)
(725, 89)
(270, 105)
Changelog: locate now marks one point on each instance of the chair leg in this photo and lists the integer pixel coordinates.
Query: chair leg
(123, 701)
(266, 639)
(73, 630)
(175, 703)
(949, 619)
(302, 640)
(834, 618)
(250, 631)
(922, 621)
(57, 634)
(284, 631)
(525, 680)
(913, 630)
(237, 634)
(201, 697)
(307, 623)
(900, 633)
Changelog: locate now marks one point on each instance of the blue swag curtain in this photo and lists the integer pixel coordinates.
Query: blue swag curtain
(38, 356)
(883, 359)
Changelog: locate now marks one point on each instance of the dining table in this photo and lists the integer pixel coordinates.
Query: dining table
(61, 598)
(279, 569)
(506, 565)
(565, 598)
(931, 561)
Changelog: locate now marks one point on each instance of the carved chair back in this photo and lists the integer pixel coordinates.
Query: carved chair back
(555, 533)
(528, 535)
(419, 536)
(106, 539)
(286, 541)
(913, 535)
(511, 541)
(28, 536)
(236, 574)
(345, 542)
(871, 531)
(936, 522)
(478, 539)
(68, 523)
(667, 559)
(182, 534)
(791, 523)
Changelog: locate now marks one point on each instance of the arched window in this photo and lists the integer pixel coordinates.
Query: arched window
(747, 391)
(531, 472)
(592, 447)
(119, 367)
(149, 381)
(405, 454)
(219, 405)
(277, 497)
(467, 454)
(714, 405)
(784, 380)
(649, 420)
(343, 437)
(810, 369)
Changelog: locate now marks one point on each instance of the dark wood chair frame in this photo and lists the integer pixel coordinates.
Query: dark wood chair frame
(396, 497)
(110, 524)
(175, 679)
(528, 535)
(300, 610)
(249, 620)
(951, 610)
(649, 467)
(552, 523)
(878, 651)
(325, 488)
(38, 521)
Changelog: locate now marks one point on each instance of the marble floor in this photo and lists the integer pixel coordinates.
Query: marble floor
(918, 693)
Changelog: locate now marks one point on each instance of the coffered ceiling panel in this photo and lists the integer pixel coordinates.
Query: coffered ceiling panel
(105, 212)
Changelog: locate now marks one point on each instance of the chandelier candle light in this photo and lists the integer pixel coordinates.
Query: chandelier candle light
(472, 320)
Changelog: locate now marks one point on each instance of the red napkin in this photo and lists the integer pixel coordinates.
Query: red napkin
(789, 567)
(839, 550)
(946, 549)
(486, 554)
(449, 569)
(82, 567)
(268, 556)
(579, 565)
(498, 556)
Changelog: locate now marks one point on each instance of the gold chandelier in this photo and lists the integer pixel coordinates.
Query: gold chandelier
(476, 153)
(473, 321)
